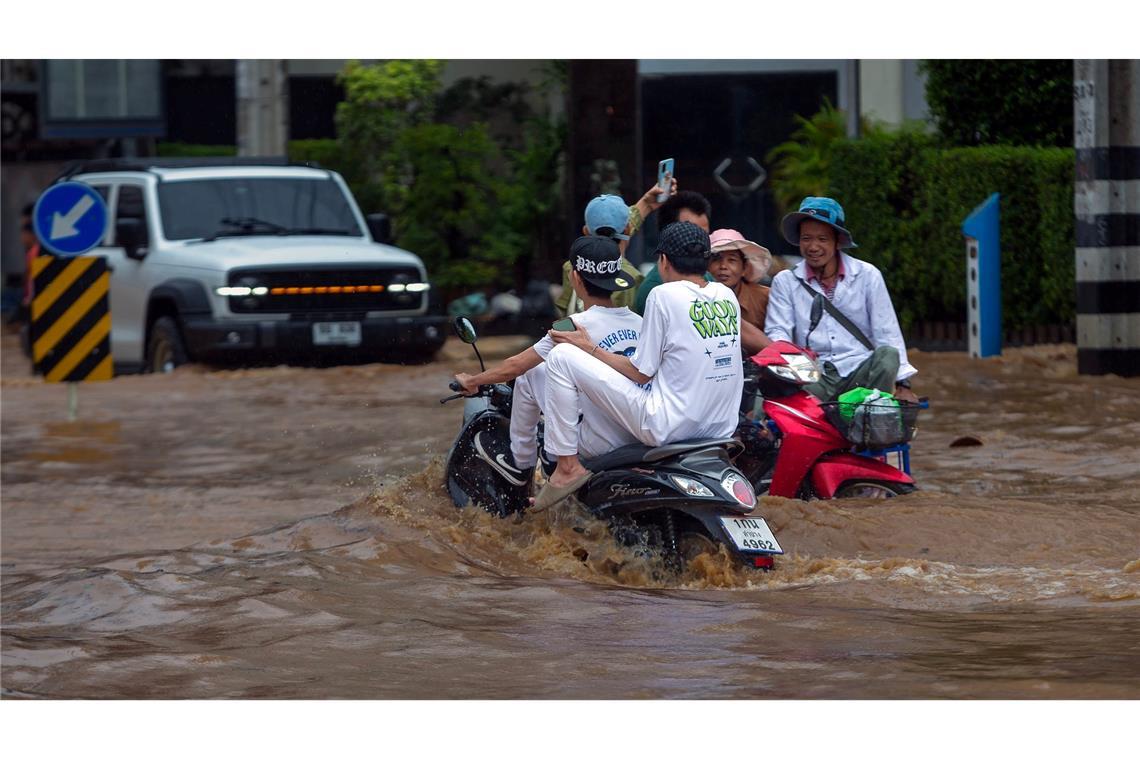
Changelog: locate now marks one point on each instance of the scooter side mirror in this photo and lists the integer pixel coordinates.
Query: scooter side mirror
(816, 312)
(465, 330)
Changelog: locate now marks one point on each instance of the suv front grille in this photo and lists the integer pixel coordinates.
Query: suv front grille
(330, 290)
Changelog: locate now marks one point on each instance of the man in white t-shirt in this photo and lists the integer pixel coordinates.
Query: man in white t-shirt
(596, 273)
(688, 355)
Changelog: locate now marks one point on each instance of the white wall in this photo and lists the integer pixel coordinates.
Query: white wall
(891, 90)
(881, 90)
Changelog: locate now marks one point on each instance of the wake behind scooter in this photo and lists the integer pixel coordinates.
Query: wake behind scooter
(680, 499)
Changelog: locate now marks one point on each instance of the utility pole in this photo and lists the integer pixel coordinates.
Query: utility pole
(1106, 199)
(262, 108)
(854, 96)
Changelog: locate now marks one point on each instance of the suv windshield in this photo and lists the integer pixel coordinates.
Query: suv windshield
(209, 208)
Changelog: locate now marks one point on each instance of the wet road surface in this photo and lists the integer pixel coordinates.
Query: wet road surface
(283, 533)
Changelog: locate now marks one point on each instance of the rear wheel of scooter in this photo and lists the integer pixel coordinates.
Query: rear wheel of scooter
(869, 489)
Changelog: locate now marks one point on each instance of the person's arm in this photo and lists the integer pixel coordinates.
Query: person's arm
(780, 319)
(506, 370)
(647, 204)
(582, 340)
(752, 338)
(562, 303)
(885, 330)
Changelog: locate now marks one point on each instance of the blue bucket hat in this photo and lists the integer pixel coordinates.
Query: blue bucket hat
(824, 210)
(608, 211)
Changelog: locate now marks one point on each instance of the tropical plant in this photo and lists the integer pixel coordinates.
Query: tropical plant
(381, 102)
(450, 214)
(469, 174)
(801, 166)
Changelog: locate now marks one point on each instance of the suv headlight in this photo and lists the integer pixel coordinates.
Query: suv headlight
(241, 290)
(249, 289)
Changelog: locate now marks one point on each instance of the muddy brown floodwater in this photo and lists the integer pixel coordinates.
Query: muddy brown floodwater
(283, 533)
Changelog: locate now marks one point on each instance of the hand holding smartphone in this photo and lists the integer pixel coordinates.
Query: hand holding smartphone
(564, 325)
(664, 175)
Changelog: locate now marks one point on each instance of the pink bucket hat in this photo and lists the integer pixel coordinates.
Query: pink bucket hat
(757, 258)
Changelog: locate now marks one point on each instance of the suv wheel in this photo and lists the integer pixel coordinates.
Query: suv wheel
(165, 349)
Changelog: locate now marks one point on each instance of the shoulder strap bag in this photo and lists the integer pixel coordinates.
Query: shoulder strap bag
(839, 316)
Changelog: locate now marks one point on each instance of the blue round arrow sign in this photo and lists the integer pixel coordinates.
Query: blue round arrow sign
(70, 218)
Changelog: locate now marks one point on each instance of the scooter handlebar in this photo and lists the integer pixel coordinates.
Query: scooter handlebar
(484, 390)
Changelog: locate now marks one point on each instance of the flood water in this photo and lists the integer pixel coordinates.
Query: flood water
(284, 533)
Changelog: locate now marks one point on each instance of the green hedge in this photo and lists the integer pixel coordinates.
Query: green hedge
(327, 153)
(188, 150)
(906, 199)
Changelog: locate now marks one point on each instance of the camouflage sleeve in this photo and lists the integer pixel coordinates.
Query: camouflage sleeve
(635, 220)
(563, 301)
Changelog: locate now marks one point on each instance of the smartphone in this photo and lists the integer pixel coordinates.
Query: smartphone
(565, 325)
(664, 174)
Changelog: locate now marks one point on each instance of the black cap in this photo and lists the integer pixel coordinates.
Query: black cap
(598, 261)
(684, 239)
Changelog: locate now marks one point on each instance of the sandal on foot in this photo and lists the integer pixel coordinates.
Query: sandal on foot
(552, 494)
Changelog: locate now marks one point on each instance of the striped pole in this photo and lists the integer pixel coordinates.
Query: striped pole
(1106, 199)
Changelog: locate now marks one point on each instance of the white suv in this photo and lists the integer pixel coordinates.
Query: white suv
(242, 259)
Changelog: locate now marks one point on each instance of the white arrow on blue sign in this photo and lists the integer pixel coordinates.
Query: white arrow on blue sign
(70, 218)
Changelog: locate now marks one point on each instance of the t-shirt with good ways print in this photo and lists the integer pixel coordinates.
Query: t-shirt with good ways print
(690, 346)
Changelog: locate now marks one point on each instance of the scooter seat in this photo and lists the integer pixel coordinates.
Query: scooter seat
(639, 453)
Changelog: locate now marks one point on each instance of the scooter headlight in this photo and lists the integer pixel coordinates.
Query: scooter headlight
(691, 487)
(799, 369)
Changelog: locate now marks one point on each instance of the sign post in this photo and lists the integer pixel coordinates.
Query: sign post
(71, 317)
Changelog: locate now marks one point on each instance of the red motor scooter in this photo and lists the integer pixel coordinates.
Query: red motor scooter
(804, 448)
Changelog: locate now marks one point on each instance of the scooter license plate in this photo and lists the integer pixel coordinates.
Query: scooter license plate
(751, 535)
(336, 333)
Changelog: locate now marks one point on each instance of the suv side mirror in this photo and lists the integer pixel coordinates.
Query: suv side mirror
(131, 235)
(380, 226)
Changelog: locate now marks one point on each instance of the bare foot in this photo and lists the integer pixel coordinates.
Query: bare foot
(565, 475)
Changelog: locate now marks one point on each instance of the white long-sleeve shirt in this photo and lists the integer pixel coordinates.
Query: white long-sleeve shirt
(862, 297)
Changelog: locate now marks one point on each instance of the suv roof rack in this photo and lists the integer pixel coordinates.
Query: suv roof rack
(83, 166)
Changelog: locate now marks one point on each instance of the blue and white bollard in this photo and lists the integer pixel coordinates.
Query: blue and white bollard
(983, 278)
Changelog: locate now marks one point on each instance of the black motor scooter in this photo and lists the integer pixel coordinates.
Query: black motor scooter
(682, 499)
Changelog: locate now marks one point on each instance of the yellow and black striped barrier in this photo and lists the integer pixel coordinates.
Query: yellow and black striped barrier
(71, 319)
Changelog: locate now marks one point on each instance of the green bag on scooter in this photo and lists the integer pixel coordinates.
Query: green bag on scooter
(874, 416)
